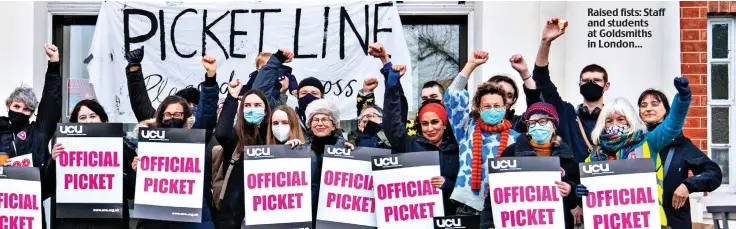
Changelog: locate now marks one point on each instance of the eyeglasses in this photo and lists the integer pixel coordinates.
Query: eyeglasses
(323, 121)
(541, 121)
(596, 81)
(174, 115)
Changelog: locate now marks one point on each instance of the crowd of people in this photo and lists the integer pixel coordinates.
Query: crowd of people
(465, 131)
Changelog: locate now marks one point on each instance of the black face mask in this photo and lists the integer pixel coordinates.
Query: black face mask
(306, 100)
(18, 120)
(372, 128)
(591, 91)
(173, 123)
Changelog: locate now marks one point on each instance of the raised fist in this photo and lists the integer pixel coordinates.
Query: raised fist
(210, 64)
(518, 63)
(135, 56)
(234, 88)
(552, 29)
(288, 54)
(399, 68)
(377, 50)
(370, 84)
(52, 52)
(478, 58)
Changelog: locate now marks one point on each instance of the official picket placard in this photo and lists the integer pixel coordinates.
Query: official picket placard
(89, 172)
(170, 176)
(278, 191)
(20, 197)
(404, 196)
(346, 198)
(457, 222)
(524, 194)
(329, 40)
(633, 201)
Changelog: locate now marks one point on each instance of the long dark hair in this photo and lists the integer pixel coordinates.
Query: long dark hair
(249, 134)
(92, 105)
(172, 99)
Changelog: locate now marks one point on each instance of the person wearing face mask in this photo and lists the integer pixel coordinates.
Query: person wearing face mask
(284, 128)
(482, 133)
(621, 134)
(576, 124)
(174, 112)
(196, 101)
(20, 136)
(370, 127)
(323, 120)
(241, 123)
(542, 141)
(90, 111)
(680, 156)
(435, 136)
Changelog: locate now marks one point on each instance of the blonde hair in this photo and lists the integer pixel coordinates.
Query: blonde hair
(262, 58)
(619, 106)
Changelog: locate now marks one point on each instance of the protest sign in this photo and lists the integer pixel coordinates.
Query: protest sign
(25, 160)
(89, 172)
(457, 222)
(278, 191)
(404, 196)
(346, 198)
(524, 194)
(20, 197)
(632, 202)
(170, 177)
(329, 41)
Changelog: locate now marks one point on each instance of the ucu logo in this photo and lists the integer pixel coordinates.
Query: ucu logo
(386, 161)
(597, 168)
(151, 134)
(70, 129)
(258, 152)
(448, 223)
(339, 151)
(503, 164)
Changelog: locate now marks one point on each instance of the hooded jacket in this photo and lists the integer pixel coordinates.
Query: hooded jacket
(707, 176)
(569, 171)
(207, 190)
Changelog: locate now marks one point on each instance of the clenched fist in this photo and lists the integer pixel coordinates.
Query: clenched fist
(399, 68)
(518, 63)
(478, 58)
(210, 64)
(234, 88)
(288, 54)
(377, 50)
(52, 52)
(370, 84)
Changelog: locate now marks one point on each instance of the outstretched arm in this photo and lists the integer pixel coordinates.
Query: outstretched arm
(139, 101)
(541, 66)
(457, 99)
(49, 109)
(269, 73)
(672, 124)
(206, 117)
(394, 126)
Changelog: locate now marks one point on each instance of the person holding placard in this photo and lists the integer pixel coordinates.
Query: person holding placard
(482, 133)
(284, 128)
(436, 135)
(241, 123)
(542, 141)
(621, 134)
(90, 111)
(682, 154)
(172, 113)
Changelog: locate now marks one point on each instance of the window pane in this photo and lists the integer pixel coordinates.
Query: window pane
(80, 38)
(435, 54)
(720, 156)
(719, 81)
(720, 40)
(719, 125)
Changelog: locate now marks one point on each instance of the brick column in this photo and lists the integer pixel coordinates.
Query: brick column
(694, 66)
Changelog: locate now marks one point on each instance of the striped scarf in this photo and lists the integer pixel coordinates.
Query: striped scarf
(620, 143)
(477, 168)
(542, 149)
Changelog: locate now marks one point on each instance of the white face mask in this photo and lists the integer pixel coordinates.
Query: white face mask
(281, 132)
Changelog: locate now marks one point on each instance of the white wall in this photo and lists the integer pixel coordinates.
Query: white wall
(509, 28)
(22, 59)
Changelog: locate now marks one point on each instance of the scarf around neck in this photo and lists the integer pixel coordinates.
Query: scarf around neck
(620, 144)
(477, 166)
(542, 149)
(318, 143)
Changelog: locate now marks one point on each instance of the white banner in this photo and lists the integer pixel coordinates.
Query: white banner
(633, 202)
(329, 42)
(89, 172)
(404, 196)
(524, 194)
(170, 176)
(278, 190)
(20, 197)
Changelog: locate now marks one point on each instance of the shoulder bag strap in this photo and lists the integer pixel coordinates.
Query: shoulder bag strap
(585, 137)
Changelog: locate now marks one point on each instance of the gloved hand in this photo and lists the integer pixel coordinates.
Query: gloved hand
(135, 56)
(681, 84)
(581, 190)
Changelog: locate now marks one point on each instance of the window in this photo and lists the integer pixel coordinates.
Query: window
(721, 93)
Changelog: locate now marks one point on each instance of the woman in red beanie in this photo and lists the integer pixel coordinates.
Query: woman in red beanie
(435, 135)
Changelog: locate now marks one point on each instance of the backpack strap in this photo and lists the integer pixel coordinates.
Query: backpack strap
(233, 160)
(585, 137)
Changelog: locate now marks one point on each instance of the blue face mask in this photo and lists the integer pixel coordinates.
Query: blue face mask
(254, 115)
(493, 116)
(540, 133)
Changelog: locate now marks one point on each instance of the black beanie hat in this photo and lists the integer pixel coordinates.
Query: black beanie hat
(191, 95)
(314, 82)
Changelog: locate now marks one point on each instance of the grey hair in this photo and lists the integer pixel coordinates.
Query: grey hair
(24, 95)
